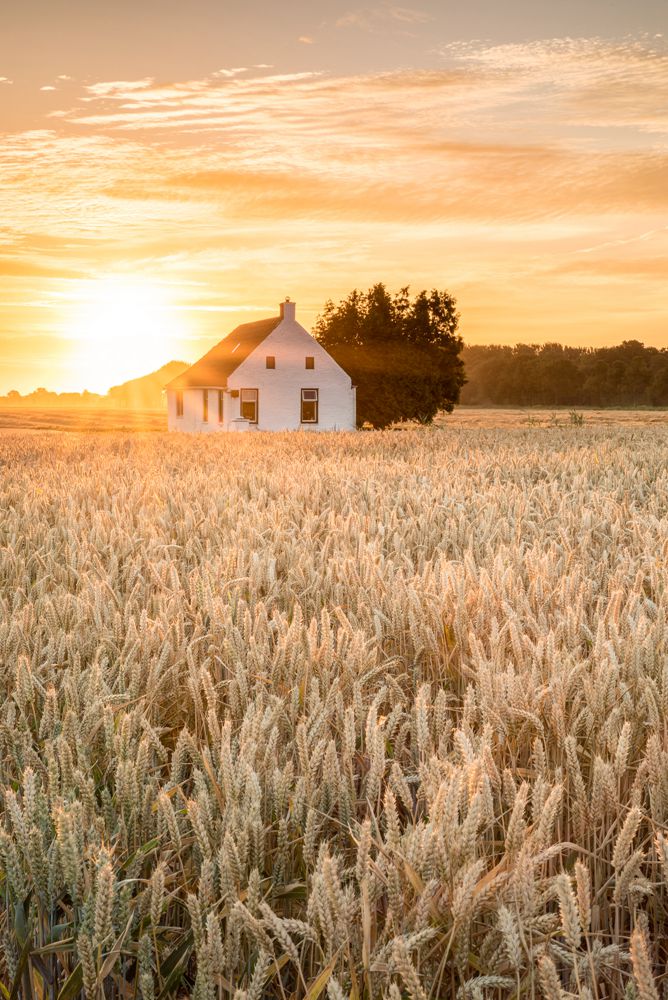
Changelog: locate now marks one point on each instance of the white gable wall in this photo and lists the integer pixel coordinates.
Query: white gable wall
(279, 389)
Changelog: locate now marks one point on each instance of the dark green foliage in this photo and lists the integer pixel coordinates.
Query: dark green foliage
(401, 353)
(552, 375)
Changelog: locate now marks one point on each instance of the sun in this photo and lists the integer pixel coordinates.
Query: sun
(120, 328)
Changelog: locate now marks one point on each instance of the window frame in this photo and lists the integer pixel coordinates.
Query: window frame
(317, 405)
(270, 358)
(256, 400)
(205, 406)
(307, 366)
(179, 403)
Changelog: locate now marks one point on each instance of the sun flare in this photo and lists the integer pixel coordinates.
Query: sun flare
(120, 328)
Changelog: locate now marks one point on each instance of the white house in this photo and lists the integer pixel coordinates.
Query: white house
(269, 376)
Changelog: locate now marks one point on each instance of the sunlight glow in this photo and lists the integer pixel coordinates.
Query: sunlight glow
(121, 327)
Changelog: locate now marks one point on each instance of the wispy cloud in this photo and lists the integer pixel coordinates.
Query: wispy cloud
(556, 91)
(639, 238)
(525, 177)
(232, 72)
(577, 81)
(116, 88)
(370, 18)
(306, 40)
(450, 142)
(17, 267)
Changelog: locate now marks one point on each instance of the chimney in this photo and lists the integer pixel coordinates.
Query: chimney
(287, 309)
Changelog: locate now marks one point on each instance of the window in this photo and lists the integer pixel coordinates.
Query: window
(249, 405)
(271, 361)
(179, 404)
(205, 405)
(309, 406)
(220, 406)
(310, 363)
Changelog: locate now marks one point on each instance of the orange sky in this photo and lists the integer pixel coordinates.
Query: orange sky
(168, 171)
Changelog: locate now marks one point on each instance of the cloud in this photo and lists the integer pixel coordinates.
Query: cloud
(556, 90)
(607, 269)
(230, 73)
(114, 88)
(579, 82)
(306, 40)
(409, 16)
(495, 134)
(531, 184)
(639, 238)
(4, 79)
(494, 173)
(370, 18)
(48, 87)
(17, 268)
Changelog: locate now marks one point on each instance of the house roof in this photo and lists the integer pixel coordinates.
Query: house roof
(214, 368)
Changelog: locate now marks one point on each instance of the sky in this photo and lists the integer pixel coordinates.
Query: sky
(168, 170)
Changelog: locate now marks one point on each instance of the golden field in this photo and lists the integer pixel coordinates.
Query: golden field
(366, 716)
(93, 419)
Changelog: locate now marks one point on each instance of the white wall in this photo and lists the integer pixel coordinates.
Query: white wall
(279, 389)
(193, 411)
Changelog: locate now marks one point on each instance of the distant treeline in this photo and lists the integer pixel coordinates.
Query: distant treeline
(143, 393)
(552, 375)
(45, 399)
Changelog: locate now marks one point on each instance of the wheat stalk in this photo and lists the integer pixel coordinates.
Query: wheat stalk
(275, 712)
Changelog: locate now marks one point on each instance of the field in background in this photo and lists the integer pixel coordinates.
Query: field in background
(508, 416)
(366, 715)
(81, 418)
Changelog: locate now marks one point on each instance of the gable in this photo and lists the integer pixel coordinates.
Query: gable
(290, 343)
(217, 364)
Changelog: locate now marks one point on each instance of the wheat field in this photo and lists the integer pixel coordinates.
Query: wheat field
(365, 716)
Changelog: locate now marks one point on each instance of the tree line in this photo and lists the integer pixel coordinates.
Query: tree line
(408, 361)
(630, 374)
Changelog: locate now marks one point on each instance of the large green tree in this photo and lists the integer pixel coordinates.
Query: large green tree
(402, 353)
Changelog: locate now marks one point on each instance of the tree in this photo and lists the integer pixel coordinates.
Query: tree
(401, 353)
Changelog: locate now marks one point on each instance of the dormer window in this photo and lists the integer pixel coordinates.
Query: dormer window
(271, 361)
(310, 363)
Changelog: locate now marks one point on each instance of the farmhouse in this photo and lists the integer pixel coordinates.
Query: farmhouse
(271, 375)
